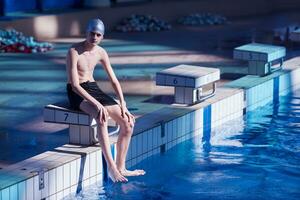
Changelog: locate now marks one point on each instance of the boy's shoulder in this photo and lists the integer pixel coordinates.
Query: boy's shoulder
(101, 49)
(76, 45)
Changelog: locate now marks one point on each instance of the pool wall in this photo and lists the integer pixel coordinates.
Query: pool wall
(70, 168)
(261, 90)
(169, 133)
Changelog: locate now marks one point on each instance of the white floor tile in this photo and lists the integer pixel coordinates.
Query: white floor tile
(59, 179)
(13, 192)
(67, 175)
(67, 192)
(93, 163)
(73, 172)
(86, 169)
(53, 197)
(29, 189)
(60, 195)
(51, 182)
(21, 191)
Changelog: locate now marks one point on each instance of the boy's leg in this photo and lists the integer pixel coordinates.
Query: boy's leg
(104, 143)
(124, 137)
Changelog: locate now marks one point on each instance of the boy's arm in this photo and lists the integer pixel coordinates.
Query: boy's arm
(116, 85)
(112, 77)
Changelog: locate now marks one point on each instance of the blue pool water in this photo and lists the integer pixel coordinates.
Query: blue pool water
(257, 157)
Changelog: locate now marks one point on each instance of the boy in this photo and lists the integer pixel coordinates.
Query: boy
(84, 94)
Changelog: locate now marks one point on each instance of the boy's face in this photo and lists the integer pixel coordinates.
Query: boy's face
(94, 37)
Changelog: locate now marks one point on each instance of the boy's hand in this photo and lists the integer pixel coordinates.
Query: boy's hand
(102, 115)
(127, 114)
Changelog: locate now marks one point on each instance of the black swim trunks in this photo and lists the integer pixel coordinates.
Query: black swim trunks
(91, 88)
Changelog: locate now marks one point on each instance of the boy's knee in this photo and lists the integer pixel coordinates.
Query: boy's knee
(127, 129)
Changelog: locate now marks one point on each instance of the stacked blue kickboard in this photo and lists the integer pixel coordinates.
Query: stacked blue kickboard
(260, 57)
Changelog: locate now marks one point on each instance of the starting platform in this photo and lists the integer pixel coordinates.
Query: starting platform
(260, 57)
(188, 81)
(82, 127)
(295, 35)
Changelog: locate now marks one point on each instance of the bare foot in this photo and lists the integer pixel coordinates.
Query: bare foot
(136, 172)
(116, 176)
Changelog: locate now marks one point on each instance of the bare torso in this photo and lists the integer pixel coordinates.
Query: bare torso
(86, 62)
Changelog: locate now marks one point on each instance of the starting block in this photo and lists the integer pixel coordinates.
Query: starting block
(295, 35)
(260, 57)
(188, 81)
(82, 127)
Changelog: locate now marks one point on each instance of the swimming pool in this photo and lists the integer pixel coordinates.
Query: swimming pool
(256, 157)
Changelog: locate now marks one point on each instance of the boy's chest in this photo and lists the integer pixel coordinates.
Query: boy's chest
(87, 61)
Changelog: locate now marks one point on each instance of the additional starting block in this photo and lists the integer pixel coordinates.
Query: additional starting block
(82, 127)
(295, 35)
(188, 81)
(260, 57)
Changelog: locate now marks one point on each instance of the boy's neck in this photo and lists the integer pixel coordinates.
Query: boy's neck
(87, 46)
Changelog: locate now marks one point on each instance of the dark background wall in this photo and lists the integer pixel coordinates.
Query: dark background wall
(72, 23)
(31, 5)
